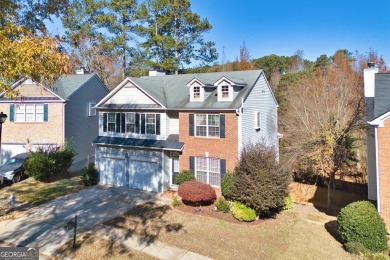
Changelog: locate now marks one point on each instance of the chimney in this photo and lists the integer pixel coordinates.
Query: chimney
(369, 80)
(81, 71)
(154, 73)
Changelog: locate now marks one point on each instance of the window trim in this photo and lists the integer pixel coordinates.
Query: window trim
(123, 125)
(207, 125)
(257, 120)
(192, 93)
(91, 109)
(208, 169)
(220, 92)
(16, 118)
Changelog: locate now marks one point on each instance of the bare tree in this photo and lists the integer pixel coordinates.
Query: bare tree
(324, 114)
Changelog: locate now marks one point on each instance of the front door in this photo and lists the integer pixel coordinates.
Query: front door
(174, 166)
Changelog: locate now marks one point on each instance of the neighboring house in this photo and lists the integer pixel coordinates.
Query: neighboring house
(153, 127)
(42, 116)
(377, 96)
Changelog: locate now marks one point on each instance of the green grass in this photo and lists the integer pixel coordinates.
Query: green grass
(36, 192)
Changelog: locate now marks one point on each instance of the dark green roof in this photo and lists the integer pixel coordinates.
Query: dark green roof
(171, 90)
(66, 85)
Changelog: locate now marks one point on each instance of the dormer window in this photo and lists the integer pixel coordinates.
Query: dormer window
(225, 91)
(196, 93)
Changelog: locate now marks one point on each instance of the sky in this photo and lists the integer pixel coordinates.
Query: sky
(282, 27)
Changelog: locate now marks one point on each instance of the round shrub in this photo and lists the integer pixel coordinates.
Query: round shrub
(227, 184)
(222, 205)
(90, 175)
(195, 192)
(183, 176)
(360, 222)
(355, 248)
(242, 212)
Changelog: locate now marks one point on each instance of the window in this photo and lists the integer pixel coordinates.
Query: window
(111, 120)
(257, 120)
(91, 109)
(207, 170)
(137, 123)
(130, 122)
(29, 113)
(196, 92)
(225, 92)
(150, 124)
(207, 125)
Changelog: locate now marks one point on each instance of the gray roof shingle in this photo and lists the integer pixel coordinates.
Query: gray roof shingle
(382, 93)
(66, 85)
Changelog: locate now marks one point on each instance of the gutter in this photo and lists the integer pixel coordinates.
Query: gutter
(378, 198)
(239, 130)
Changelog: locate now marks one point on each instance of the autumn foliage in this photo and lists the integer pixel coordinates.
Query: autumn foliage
(195, 192)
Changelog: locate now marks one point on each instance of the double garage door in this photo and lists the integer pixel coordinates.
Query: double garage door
(134, 173)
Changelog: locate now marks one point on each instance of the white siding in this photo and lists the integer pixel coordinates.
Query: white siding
(172, 123)
(371, 164)
(260, 99)
(129, 94)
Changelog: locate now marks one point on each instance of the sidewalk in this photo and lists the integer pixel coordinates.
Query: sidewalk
(156, 248)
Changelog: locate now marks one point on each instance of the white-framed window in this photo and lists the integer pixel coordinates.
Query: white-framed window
(207, 125)
(91, 109)
(150, 124)
(111, 122)
(29, 113)
(130, 123)
(208, 170)
(257, 119)
(196, 93)
(225, 92)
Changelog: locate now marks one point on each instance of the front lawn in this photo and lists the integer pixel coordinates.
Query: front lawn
(291, 235)
(31, 192)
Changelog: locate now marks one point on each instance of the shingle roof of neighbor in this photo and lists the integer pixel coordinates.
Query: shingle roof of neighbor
(171, 90)
(66, 85)
(382, 93)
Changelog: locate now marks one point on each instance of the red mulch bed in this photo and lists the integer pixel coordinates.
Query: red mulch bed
(210, 211)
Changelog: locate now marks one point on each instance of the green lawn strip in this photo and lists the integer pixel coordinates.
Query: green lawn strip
(288, 236)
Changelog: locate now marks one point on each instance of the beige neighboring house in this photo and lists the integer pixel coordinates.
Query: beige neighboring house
(46, 117)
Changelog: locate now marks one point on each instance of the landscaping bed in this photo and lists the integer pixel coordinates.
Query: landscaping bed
(288, 236)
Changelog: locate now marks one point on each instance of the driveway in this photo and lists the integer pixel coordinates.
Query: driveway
(43, 226)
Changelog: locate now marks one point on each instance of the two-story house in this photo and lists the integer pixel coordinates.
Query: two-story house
(377, 97)
(42, 117)
(153, 127)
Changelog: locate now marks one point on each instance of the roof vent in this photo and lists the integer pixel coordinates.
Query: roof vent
(81, 71)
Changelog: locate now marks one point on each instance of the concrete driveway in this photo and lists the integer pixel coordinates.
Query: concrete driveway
(43, 226)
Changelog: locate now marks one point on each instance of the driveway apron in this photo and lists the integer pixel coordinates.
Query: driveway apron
(43, 226)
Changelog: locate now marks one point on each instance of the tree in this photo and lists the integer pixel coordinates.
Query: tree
(174, 34)
(30, 14)
(371, 56)
(244, 63)
(23, 54)
(261, 182)
(324, 115)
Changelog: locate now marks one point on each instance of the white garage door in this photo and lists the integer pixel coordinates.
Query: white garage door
(113, 171)
(144, 175)
(9, 150)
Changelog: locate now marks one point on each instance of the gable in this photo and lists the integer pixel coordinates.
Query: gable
(31, 89)
(130, 94)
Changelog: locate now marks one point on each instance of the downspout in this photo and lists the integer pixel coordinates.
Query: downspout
(378, 201)
(63, 123)
(239, 112)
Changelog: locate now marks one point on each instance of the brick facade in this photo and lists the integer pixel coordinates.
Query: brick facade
(30, 133)
(222, 148)
(384, 170)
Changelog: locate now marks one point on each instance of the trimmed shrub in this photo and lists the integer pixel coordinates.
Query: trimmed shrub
(222, 205)
(243, 212)
(360, 222)
(47, 163)
(288, 203)
(183, 176)
(90, 175)
(227, 184)
(195, 192)
(260, 181)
